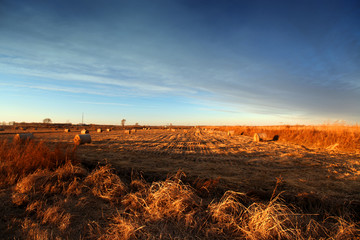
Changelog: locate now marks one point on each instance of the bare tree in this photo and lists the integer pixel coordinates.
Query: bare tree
(47, 121)
(123, 123)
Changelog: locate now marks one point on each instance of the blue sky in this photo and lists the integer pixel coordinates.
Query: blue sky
(181, 61)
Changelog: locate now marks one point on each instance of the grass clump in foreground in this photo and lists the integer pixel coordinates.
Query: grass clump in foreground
(55, 197)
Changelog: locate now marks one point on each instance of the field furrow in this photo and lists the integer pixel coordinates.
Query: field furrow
(240, 162)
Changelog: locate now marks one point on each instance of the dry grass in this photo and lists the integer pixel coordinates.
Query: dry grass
(54, 198)
(105, 184)
(332, 137)
(21, 159)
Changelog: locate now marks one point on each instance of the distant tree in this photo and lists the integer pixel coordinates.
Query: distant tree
(47, 121)
(136, 124)
(123, 123)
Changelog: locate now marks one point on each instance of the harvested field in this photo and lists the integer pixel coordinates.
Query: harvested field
(340, 137)
(318, 181)
(238, 161)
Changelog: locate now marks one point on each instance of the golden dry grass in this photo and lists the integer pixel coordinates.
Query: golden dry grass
(339, 137)
(55, 198)
(19, 159)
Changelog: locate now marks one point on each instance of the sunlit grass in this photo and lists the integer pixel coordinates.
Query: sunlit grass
(341, 137)
(55, 197)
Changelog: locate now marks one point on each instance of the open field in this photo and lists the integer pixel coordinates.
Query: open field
(331, 136)
(238, 161)
(318, 181)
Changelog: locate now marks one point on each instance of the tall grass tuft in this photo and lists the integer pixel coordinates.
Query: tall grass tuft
(20, 159)
(105, 184)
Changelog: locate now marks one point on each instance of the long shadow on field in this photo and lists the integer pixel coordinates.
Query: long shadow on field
(318, 173)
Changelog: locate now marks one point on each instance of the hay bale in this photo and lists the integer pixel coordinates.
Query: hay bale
(231, 133)
(99, 130)
(67, 130)
(127, 131)
(258, 137)
(108, 130)
(21, 137)
(82, 139)
(133, 130)
(84, 131)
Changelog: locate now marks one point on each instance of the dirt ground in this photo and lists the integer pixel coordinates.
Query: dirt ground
(240, 163)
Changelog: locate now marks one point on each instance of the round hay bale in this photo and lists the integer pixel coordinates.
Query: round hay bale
(231, 133)
(84, 131)
(67, 130)
(133, 130)
(127, 131)
(82, 139)
(22, 137)
(99, 130)
(108, 130)
(258, 137)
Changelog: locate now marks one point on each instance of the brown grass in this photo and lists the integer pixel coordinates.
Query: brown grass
(54, 198)
(105, 184)
(340, 137)
(20, 159)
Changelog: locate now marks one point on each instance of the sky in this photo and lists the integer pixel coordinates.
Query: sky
(185, 62)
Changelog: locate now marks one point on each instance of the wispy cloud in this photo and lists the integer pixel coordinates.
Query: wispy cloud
(219, 110)
(106, 103)
(295, 65)
(58, 89)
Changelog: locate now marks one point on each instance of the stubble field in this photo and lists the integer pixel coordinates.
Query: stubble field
(316, 180)
(238, 161)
